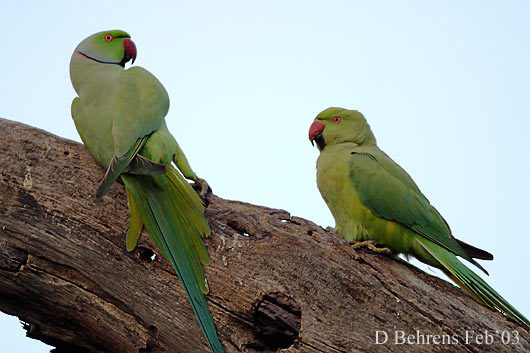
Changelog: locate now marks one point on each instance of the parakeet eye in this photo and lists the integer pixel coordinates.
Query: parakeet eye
(337, 119)
(109, 37)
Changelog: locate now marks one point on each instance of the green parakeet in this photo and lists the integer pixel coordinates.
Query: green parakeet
(119, 115)
(372, 198)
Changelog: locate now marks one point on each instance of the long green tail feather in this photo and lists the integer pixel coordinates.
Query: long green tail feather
(471, 282)
(174, 219)
(135, 224)
(194, 209)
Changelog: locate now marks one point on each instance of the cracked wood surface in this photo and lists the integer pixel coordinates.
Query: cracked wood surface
(277, 282)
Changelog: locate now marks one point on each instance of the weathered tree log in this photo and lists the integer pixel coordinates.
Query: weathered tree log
(277, 282)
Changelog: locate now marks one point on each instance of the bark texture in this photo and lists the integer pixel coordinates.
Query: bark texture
(277, 282)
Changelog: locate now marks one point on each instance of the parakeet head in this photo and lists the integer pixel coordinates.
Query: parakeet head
(108, 47)
(338, 125)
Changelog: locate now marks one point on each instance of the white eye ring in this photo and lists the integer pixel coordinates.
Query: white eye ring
(109, 37)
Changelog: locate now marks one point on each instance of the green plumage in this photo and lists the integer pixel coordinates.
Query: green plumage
(372, 198)
(119, 115)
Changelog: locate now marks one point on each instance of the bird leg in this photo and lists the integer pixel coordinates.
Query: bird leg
(370, 244)
(202, 187)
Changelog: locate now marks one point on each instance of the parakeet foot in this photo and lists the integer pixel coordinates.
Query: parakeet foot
(370, 244)
(202, 187)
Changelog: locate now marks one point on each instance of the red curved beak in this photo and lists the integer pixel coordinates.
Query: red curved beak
(316, 128)
(130, 48)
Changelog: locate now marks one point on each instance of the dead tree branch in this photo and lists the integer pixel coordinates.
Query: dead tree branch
(277, 282)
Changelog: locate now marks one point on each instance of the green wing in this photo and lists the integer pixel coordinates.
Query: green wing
(118, 166)
(138, 106)
(130, 162)
(390, 193)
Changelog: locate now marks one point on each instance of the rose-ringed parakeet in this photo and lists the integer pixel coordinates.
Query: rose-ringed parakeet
(373, 199)
(119, 115)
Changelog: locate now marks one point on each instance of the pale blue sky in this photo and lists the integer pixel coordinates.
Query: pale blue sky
(444, 85)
